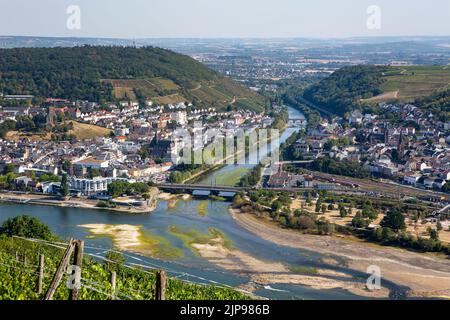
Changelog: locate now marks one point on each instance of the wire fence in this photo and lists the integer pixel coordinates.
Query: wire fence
(144, 266)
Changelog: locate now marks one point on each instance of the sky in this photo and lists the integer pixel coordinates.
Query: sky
(224, 18)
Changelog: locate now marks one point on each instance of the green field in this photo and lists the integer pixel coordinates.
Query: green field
(408, 83)
(230, 178)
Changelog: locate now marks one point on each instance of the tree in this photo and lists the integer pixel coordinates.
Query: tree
(306, 222)
(93, 172)
(325, 227)
(64, 186)
(394, 220)
(28, 227)
(276, 206)
(369, 212)
(433, 233)
(342, 212)
(318, 206)
(359, 222)
(9, 168)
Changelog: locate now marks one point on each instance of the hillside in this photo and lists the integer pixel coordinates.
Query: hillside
(341, 92)
(99, 73)
(354, 87)
(87, 131)
(409, 83)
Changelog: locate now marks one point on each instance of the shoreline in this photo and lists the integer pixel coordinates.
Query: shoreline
(423, 275)
(38, 199)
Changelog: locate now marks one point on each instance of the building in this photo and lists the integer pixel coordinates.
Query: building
(356, 117)
(279, 180)
(94, 186)
(180, 117)
(411, 179)
(81, 167)
(162, 149)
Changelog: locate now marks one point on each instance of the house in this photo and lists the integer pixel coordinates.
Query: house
(439, 183)
(411, 179)
(279, 180)
(445, 175)
(81, 167)
(50, 187)
(24, 183)
(301, 146)
(161, 149)
(428, 182)
(381, 168)
(180, 117)
(356, 117)
(13, 112)
(122, 131)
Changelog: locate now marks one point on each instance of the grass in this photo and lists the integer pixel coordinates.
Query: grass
(202, 208)
(193, 236)
(16, 136)
(230, 178)
(164, 84)
(304, 270)
(80, 130)
(88, 131)
(124, 93)
(416, 81)
(172, 99)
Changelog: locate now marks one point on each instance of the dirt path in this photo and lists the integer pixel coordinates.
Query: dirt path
(425, 275)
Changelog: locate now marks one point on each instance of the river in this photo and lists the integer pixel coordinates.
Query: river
(229, 175)
(176, 255)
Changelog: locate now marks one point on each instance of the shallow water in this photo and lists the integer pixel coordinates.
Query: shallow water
(65, 222)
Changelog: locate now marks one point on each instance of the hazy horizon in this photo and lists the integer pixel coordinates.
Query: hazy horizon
(231, 19)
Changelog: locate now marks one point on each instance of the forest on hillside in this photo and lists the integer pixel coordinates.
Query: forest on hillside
(76, 73)
(341, 92)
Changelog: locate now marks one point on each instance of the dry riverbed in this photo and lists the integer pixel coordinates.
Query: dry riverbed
(424, 274)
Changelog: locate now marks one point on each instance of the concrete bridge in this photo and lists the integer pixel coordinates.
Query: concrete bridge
(202, 190)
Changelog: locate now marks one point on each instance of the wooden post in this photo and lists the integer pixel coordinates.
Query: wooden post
(17, 256)
(60, 271)
(40, 274)
(113, 283)
(78, 261)
(160, 288)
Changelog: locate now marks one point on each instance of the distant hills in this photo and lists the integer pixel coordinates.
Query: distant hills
(354, 87)
(107, 73)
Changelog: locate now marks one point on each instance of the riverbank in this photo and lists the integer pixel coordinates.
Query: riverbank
(83, 203)
(265, 273)
(424, 274)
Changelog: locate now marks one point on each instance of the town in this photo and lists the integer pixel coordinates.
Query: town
(97, 145)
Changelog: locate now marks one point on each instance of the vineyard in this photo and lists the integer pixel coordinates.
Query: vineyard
(20, 270)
